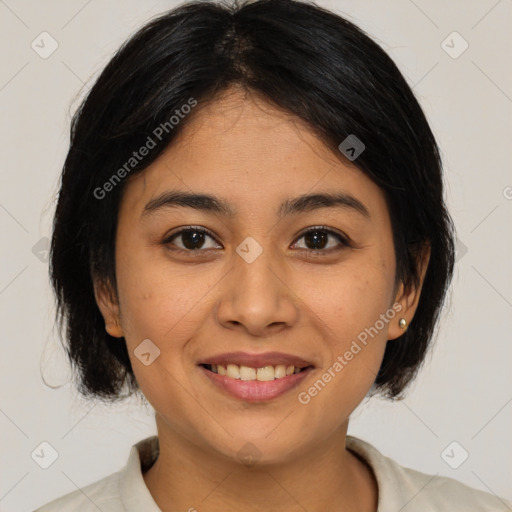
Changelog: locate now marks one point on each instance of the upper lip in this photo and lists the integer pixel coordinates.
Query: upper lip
(257, 360)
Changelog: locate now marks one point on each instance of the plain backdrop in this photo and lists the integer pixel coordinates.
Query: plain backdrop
(464, 392)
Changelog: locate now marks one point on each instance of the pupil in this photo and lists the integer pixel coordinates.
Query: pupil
(316, 237)
(192, 238)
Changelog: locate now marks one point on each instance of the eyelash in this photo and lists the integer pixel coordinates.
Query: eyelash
(345, 242)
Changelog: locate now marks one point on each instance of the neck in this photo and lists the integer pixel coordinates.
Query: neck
(326, 478)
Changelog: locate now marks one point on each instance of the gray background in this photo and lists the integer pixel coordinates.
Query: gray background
(464, 392)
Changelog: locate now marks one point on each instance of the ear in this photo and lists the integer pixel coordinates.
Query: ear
(109, 306)
(408, 297)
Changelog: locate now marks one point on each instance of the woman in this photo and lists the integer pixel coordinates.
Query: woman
(251, 233)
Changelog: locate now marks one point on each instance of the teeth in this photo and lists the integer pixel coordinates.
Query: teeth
(266, 373)
(247, 373)
(280, 371)
(233, 371)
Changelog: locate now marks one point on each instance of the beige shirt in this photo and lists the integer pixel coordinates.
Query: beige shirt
(400, 488)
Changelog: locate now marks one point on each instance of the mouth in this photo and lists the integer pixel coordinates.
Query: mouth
(255, 377)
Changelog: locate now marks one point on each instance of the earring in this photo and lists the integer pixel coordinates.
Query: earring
(402, 323)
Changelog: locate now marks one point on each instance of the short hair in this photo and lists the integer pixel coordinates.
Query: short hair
(302, 59)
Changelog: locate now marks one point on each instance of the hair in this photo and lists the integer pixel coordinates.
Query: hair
(302, 59)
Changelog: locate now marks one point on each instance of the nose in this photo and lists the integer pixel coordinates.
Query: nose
(257, 298)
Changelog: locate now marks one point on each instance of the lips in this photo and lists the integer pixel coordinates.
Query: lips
(256, 377)
(255, 390)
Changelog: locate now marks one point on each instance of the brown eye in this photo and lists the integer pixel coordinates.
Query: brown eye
(190, 239)
(317, 240)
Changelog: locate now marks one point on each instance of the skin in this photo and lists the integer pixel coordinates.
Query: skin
(311, 305)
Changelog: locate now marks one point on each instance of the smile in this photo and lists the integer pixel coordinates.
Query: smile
(255, 377)
(246, 373)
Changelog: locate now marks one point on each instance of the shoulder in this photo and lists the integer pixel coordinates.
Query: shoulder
(118, 492)
(402, 488)
(421, 491)
(101, 495)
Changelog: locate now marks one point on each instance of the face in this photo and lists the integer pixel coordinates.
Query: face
(271, 282)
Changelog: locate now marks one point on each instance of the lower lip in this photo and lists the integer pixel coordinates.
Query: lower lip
(255, 390)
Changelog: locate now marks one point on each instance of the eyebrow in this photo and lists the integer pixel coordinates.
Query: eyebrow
(212, 204)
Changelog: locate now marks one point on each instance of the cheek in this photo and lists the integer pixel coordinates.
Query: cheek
(159, 309)
(349, 302)
(353, 318)
(166, 306)
(355, 355)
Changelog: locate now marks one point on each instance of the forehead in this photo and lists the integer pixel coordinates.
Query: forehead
(243, 149)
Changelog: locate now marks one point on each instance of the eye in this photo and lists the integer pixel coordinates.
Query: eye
(192, 239)
(317, 239)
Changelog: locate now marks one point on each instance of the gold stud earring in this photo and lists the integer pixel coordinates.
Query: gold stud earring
(402, 323)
